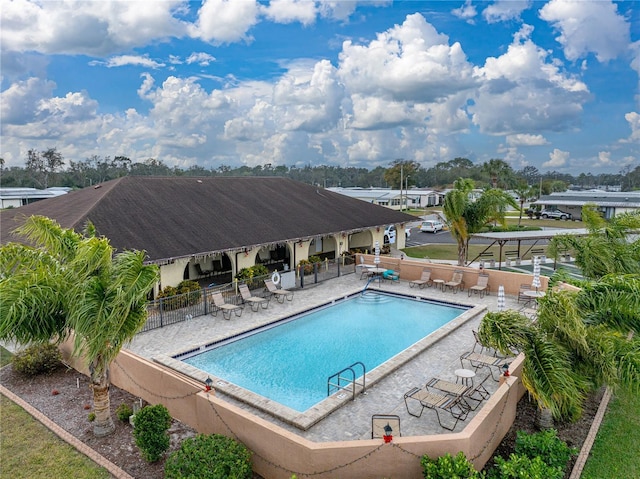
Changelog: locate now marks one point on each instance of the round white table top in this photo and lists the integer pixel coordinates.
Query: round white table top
(464, 373)
(377, 270)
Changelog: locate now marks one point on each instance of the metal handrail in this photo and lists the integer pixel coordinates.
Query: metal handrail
(351, 381)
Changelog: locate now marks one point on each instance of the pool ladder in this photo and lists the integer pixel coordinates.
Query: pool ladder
(350, 381)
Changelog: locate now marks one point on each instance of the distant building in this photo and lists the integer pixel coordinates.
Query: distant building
(393, 199)
(16, 197)
(609, 203)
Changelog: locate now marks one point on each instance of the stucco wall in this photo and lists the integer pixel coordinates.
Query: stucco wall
(278, 453)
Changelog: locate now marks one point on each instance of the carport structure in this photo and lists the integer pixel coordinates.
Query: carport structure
(518, 237)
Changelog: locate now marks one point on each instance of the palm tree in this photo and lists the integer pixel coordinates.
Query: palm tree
(70, 284)
(607, 248)
(466, 217)
(579, 343)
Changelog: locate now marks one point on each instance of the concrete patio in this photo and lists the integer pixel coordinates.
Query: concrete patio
(353, 420)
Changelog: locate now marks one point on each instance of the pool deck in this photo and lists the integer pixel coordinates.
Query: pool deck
(352, 421)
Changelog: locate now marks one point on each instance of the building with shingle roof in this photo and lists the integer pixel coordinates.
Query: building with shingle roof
(609, 203)
(217, 225)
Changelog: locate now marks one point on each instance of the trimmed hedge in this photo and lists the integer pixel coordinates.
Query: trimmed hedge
(209, 456)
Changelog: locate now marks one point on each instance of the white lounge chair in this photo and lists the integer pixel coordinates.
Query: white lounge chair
(219, 304)
(254, 301)
(279, 293)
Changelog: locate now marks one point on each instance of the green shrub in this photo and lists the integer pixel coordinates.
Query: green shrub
(308, 264)
(523, 467)
(37, 359)
(91, 416)
(449, 467)
(547, 446)
(209, 456)
(187, 293)
(124, 412)
(150, 431)
(247, 275)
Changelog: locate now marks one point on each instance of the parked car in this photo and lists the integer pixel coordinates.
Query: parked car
(390, 234)
(431, 226)
(555, 214)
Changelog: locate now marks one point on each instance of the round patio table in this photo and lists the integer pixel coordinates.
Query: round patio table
(465, 376)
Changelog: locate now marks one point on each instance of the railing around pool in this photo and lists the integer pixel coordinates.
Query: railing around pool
(351, 381)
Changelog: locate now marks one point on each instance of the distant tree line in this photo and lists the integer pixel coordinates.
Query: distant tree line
(48, 168)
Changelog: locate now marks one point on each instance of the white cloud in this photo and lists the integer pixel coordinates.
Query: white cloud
(309, 102)
(342, 10)
(20, 102)
(588, 27)
(604, 159)
(409, 62)
(523, 139)
(466, 12)
(126, 60)
(91, 28)
(633, 118)
(523, 93)
(289, 11)
(505, 10)
(558, 158)
(201, 58)
(225, 21)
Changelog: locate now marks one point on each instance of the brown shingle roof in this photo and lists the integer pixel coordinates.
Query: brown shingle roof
(177, 216)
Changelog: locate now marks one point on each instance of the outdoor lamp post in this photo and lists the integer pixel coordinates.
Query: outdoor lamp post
(208, 383)
(387, 433)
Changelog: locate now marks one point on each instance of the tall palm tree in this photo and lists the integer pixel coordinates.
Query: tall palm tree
(579, 343)
(72, 284)
(466, 217)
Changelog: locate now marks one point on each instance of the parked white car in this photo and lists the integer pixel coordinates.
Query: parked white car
(390, 234)
(431, 226)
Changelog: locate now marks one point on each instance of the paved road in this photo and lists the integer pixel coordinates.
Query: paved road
(418, 238)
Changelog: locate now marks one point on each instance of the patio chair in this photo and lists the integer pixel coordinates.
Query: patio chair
(364, 266)
(521, 293)
(279, 293)
(456, 283)
(391, 275)
(470, 396)
(479, 360)
(203, 272)
(254, 301)
(425, 279)
(483, 349)
(482, 285)
(431, 400)
(219, 304)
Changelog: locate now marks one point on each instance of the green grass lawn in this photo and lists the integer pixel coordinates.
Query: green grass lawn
(31, 451)
(5, 356)
(615, 452)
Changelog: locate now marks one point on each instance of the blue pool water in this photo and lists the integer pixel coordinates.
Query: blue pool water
(290, 363)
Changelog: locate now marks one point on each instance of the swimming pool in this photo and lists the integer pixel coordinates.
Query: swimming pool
(289, 363)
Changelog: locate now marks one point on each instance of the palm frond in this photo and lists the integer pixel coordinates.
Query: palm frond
(549, 377)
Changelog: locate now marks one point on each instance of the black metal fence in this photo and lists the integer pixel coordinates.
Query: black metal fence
(183, 307)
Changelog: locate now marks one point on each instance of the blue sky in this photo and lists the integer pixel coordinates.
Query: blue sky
(554, 85)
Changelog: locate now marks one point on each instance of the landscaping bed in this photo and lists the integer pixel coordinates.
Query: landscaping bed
(67, 409)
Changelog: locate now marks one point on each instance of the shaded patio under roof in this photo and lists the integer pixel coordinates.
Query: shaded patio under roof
(505, 237)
